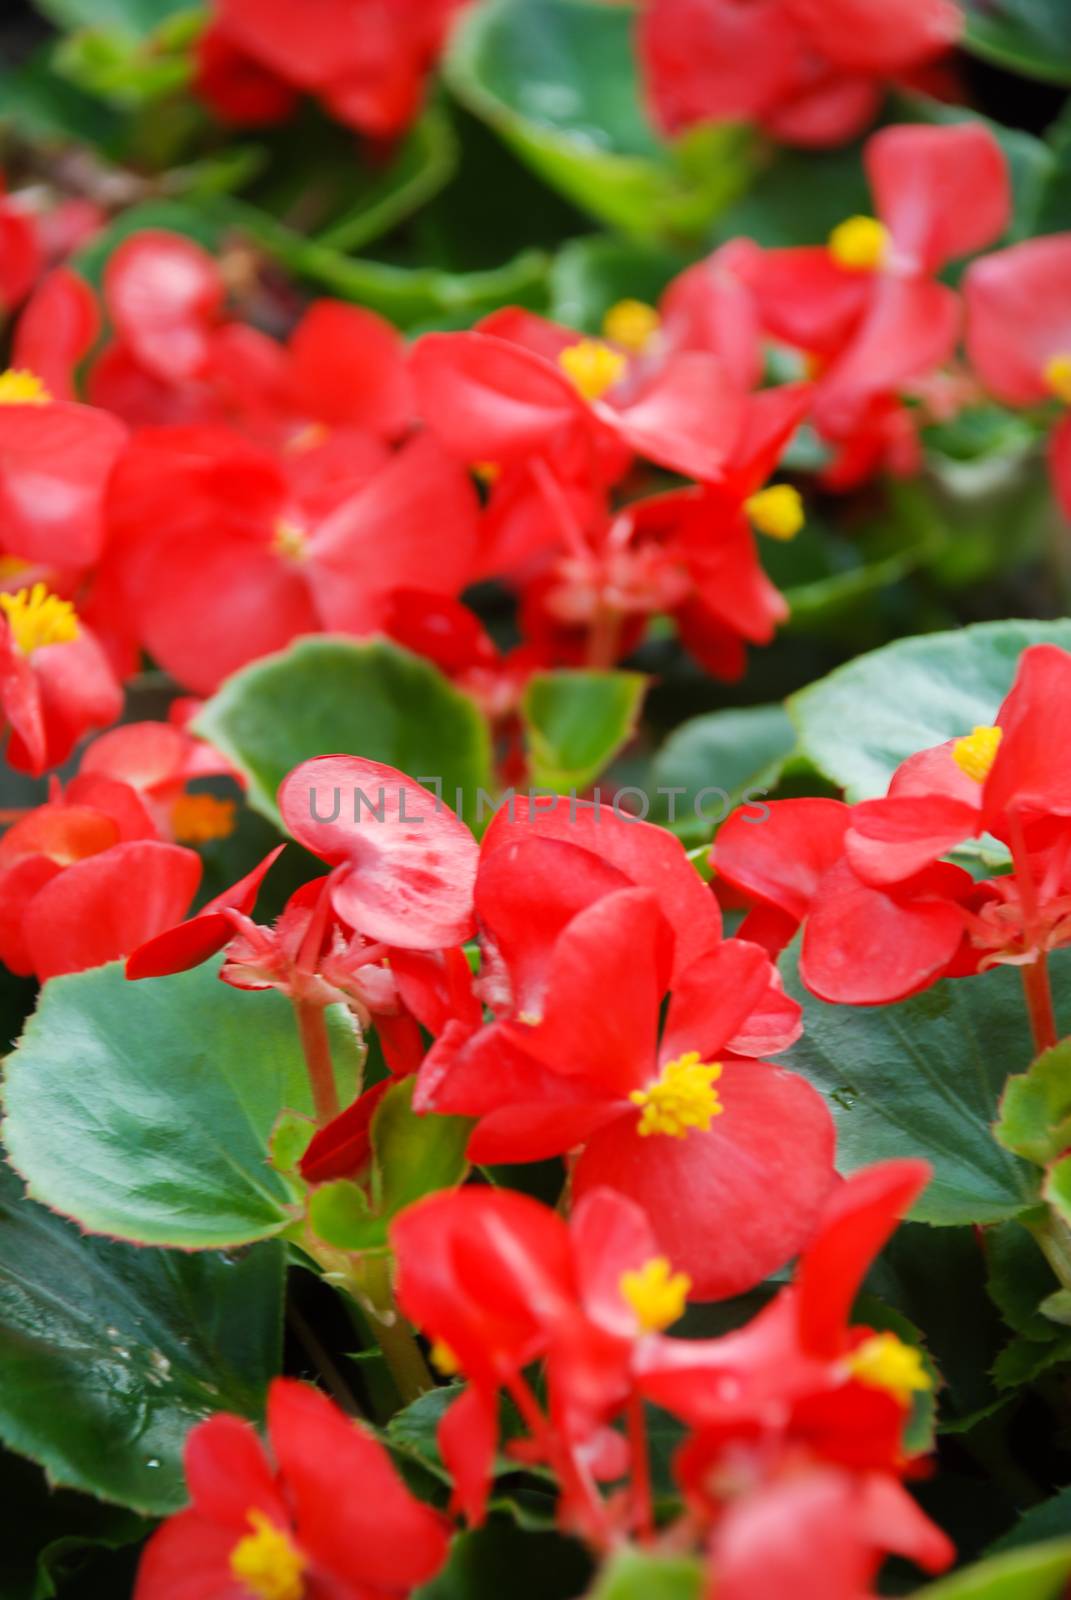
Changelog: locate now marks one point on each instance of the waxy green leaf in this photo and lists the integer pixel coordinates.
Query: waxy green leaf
(144, 1110)
(111, 1354)
(857, 725)
(923, 1078)
(327, 695)
(576, 722)
(559, 81)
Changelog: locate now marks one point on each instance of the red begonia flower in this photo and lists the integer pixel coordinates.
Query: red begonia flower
(239, 89)
(764, 1548)
(57, 329)
(521, 387)
(55, 461)
(188, 944)
(55, 680)
(324, 1515)
(410, 862)
(223, 556)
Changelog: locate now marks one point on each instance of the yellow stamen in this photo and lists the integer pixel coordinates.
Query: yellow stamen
(684, 1098)
(21, 388)
(976, 752)
(267, 1562)
(38, 618)
(592, 367)
(487, 471)
(1058, 377)
(656, 1294)
(200, 818)
(885, 1362)
(289, 541)
(859, 244)
(443, 1359)
(777, 511)
(632, 325)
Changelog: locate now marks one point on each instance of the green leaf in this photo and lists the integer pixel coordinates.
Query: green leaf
(576, 722)
(144, 1110)
(734, 753)
(1050, 1520)
(591, 275)
(49, 1534)
(1028, 36)
(500, 1558)
(138, 18)
(637, 1575)
(922, 1078)
(423, 164)
(799, 197)
(1038, 1573)
(327, 695)
(857, 725)
(1057, 1188)
(1035, 1111)
(340, 1215)
(558, 80)
(111, 1353)
(414, 1155)
(45, 108)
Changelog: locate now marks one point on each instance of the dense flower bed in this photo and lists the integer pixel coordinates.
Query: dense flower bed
(535, 871)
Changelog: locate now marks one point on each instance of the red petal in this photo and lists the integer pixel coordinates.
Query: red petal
(942, 192)
(105, 907)
(164, 293)
(731, 1205)
(413, 861)
(354, 1515)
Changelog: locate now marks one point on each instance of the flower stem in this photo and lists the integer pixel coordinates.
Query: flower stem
(1038, 994)
(577, 1487)
(1035, 973)
(642, 1504)
(370, 1285)
(312, 1026)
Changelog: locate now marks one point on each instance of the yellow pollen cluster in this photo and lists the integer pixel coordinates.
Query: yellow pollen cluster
(656, 1294)
(776, 511)
(289, 541)
(631, 324)
(21, 388)
(37, 617)
(1058, 377)
(976, 752)
(592, 367)
(683, 1099)
(200, 818)
(487, 471)
(859, 244)
(885, 1362)
(267, 1562)
(443, 1359)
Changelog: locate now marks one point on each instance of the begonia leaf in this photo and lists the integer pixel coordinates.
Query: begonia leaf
(858, 724)
(335, 696)
(145, 1110)
(558, 80)
(1039, 1572)
(112, 1353)
(1035, 1111)
(923, 1077)
(576, 722)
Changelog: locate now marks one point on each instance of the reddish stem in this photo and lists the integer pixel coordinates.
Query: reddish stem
(312, 1026)
(1036, 988)
(1038, 994)
(640, 1462)
(574, 1480)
